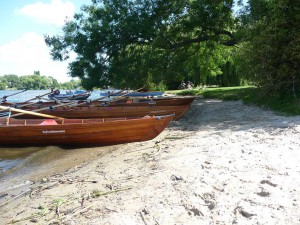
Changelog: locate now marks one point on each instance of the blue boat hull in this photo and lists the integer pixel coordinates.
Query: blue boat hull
(77, 95)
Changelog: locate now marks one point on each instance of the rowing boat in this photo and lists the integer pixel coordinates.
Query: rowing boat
(98, 111)
(138, 101)
(127, 101)
(109, 131)
(69, 95)
(134, 93)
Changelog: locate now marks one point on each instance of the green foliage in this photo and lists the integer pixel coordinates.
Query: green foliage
(229, 93)
(151, 43)
(286, 104)
(270, 53)
(11, 81)
(3, 85)
(71, 85)
(35, 82)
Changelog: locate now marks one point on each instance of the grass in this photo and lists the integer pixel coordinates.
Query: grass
(287, 105)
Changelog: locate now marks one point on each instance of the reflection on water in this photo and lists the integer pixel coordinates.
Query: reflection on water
(30, 164)
(11, 157)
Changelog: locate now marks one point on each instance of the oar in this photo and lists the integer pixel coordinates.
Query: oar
(97, 99)
(36, 97)
(17, 105)
(6, 96)
(30, 103)
(120, 96)
(67, 104)
(87, 102)
(31, 113)
(23, 105)
(39, 96)
(56, 106)
(82, 103)
(41, 109)
(72, 96)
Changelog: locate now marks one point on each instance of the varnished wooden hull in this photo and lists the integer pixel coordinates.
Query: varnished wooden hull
(113, 111)
(134, 94)
(165, 101)
(81, 132)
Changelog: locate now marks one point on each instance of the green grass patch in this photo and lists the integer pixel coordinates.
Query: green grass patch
(288, 105)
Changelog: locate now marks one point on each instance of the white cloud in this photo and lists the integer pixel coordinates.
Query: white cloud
(28, 54)
(56, 12)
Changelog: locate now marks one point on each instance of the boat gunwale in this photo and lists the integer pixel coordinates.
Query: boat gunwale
(66, 121)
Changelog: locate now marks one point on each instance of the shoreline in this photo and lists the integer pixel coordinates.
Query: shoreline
(222, 163)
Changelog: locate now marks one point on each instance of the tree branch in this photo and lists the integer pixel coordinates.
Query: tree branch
(204, 37)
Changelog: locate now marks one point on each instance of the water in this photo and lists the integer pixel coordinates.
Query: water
(18, 165)
(24, 96)
(21, 166)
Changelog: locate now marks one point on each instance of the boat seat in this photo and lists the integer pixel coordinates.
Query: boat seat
(49, 122)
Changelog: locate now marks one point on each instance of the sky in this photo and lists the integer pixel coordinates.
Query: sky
(23, 24)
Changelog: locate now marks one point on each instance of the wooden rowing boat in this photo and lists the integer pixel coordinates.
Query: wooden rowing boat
(134, 93)
(41, 132)
(97, 111)
(69, 95)
(132, 101)
(127, 101)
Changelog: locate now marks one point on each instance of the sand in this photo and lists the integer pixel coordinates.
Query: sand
(223, 163)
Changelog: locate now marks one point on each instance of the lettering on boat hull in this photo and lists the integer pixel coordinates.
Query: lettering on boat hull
(158, 111)
(53, 131)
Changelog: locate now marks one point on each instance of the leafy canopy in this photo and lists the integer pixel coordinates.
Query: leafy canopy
(134, 43)
(270, 52)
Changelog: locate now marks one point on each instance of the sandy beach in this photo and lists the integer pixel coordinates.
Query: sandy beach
(223, 163)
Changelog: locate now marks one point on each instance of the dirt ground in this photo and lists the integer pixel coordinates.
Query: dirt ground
(223, 163)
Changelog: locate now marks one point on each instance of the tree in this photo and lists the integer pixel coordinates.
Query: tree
(3, 83)
(72, 84)
(12, 81)
(138, 43)
(270, 53)
(36, 72)
(38, 82)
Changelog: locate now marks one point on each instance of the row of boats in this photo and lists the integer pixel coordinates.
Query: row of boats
(113, 118)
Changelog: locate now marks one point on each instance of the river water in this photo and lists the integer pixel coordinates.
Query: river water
(20, 165)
